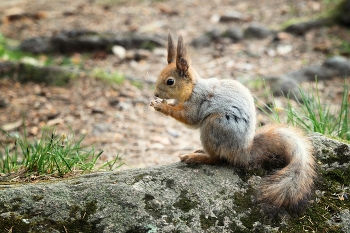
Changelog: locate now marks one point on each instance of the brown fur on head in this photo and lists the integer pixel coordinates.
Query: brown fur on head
(177, 79)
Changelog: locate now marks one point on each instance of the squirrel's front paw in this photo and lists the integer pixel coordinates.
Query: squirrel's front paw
(159, 104)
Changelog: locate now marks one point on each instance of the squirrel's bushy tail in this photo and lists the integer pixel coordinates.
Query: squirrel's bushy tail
(280, 145)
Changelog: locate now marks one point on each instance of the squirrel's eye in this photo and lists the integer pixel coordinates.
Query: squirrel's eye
(170, 81)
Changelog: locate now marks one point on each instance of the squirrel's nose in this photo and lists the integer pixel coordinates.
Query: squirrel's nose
(156, 95)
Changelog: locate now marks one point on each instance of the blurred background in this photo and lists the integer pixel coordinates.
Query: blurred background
(88, 67)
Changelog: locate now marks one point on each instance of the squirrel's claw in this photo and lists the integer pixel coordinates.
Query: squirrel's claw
(158, 104)
(198, 157)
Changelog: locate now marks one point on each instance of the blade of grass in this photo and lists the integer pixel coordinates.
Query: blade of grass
(50, 155)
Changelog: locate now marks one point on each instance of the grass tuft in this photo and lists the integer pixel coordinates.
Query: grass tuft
(51, 155)
(108, 77)
(312, 115)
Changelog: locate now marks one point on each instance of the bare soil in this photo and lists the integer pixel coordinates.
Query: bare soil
(117, 118)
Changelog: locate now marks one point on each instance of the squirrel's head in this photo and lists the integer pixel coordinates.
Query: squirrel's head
(177, 79)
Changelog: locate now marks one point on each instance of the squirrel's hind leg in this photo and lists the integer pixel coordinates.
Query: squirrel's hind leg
(198, 157)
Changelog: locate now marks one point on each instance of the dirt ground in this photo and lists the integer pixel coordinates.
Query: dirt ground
(117, 118)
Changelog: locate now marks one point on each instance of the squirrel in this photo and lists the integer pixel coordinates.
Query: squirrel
(224, 112)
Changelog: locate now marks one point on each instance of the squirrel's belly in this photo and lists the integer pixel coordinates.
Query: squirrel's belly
(225, 135)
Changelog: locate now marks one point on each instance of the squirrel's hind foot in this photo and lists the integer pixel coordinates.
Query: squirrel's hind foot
(198, 157)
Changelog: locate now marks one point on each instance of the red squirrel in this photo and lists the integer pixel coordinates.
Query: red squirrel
(224, 112)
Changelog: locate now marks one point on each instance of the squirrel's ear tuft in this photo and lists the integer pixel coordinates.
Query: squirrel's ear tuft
(171, 49)
(182, 58)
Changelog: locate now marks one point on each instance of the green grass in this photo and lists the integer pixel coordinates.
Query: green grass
(332, 7)
(9, 52)
(108, 77)
(345, 47)
(51, 155)
(313, 115)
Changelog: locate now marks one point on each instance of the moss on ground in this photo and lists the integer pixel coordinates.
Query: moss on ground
(78, 221)
(185, 203)
(30, 73)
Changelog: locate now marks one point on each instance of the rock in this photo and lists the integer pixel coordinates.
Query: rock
(206, 39)
(214, 34)
(215, 18)
(37, 45)
(80, 41)
(312, 73)
(201, 41)
(87, 41)
(173, 198)
(333, 67)
(284, 86)
(345, 220)
(235, 34)
(234, 16)
(284, 49)
(271, 52)
(302, 28)
(119, 51)
(339, 64)
(257, 31)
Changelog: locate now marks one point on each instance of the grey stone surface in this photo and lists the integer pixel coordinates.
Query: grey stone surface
(201, 41)
(284, 86)
(339, 64)
(303, 27)
(235, 34)
(311, 73)
(257, 30)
